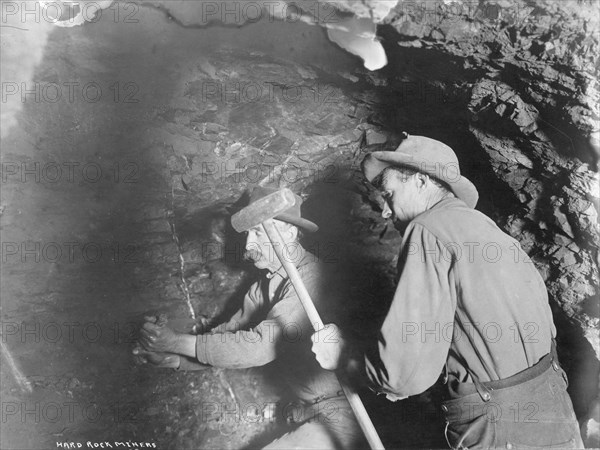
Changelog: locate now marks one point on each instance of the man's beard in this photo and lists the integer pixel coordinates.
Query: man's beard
(253, 255)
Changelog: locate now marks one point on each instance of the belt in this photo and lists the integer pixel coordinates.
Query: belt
(484, 387)
(301, 410)
(521, 377)
(324, 397)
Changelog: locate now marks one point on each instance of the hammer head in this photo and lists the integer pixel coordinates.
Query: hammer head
(263, 209)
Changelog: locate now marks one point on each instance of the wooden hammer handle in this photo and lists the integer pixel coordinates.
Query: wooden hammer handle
(353, 398)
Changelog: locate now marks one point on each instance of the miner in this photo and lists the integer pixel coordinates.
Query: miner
(271, 326)
(469, 305)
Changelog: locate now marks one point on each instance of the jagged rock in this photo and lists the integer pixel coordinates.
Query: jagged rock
(489, 95)
(372, 9)
(201, 284)
(566, 257)
(177, 164)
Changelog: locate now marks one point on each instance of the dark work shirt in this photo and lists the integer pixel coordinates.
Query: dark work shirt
(468, 296)
(271, 326)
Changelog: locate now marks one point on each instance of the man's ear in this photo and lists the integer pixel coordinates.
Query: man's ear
(421, 179)
(293, 232)
(288, 230)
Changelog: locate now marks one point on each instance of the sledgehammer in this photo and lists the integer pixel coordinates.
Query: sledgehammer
(262, 212)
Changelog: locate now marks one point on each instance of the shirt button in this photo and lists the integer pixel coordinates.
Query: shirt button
(486, 396)
(509, 445)
(555, 366)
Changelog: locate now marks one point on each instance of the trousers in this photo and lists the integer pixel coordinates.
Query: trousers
(529, 410)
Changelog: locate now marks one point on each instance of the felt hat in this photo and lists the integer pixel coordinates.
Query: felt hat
(291, 215)
(428, 156)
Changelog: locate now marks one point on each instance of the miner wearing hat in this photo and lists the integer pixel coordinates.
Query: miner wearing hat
(469, 305)
(270, 326)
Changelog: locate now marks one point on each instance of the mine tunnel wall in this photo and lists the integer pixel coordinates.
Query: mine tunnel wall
(519, 111)
(515, 110)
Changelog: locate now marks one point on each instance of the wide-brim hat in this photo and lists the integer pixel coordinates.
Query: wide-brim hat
(291, 215)
(428, 156)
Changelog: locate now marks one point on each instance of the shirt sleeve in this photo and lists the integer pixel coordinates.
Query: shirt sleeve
(285, 324)
(251, 306)
(187, 364)
(412, 345)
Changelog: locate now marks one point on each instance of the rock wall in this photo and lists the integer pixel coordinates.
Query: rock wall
(515, 84)
(224, 104)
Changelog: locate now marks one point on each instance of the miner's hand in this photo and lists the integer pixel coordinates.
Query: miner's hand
(159, 319)
(156, 336)
(159, 338)
(329, 347)
(162, 360)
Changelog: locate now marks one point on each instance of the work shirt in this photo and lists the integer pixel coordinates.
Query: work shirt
(271, 326)
(467, 296)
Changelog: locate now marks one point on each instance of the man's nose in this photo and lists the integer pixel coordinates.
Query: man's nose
(250, 241)
(387, 212)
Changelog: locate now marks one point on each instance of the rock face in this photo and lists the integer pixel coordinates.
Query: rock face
(209, 112)
(514, 85)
